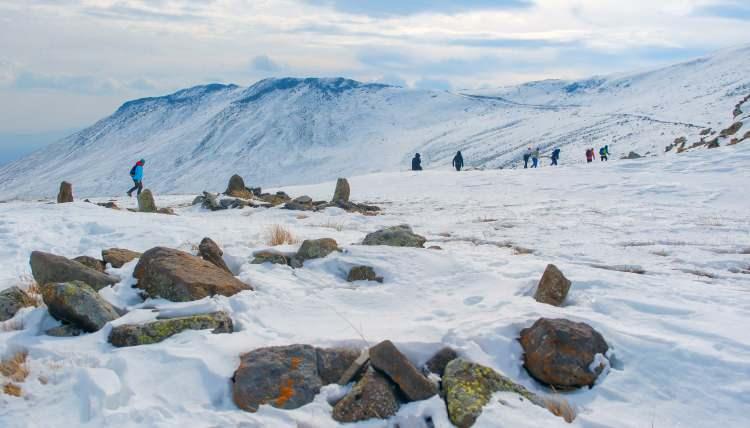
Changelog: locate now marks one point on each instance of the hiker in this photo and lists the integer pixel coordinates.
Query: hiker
(136, 173)
(535, 158)
(458, 161)
(604, 153)
(416, 163)
(526, 157)
(590, 156)
(555, 156)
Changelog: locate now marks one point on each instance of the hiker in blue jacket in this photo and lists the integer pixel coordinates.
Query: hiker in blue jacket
(136, 173)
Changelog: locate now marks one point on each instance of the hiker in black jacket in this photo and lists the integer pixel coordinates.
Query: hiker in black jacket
(458, 161)
(416, 163)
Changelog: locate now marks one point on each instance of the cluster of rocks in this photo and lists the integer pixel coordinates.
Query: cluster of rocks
(309, 250)
(12, 300)
(341, 196)
(146, 202)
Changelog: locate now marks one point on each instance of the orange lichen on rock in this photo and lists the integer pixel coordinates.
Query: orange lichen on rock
(296, 362)
(285, 393)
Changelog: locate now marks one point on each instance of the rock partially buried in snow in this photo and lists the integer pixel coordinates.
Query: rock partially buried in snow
(48, 268)
(440, 360)
(276, 199)
(372, 397)
(553, 287)
(314, 249)
(65, 194)
(159, 330)
(78, 304)
(146, 203)
(334, 362)
(119, 257)
(396, 236)
(272, 257)
(65, 330)
(302, 203)
(210, 251)
(237, 188)
(181, 277)
(387, 358)
(363, 273)
(11, 300)
(468, 388)
(342, 191)
(93, 263)
(560, 353)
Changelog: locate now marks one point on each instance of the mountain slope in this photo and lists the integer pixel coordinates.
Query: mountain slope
(288, 131)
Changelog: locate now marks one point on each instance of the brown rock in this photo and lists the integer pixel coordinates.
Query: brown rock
(553, 287)
(363, 273)
(440, 360)
(387, 358)
(119, 257)
(66, 193)
(334, 362)
(270, 257)
(48, 268)
(91, 262)
(372, 397)
(210, 251)
(342, 191)
(237, 189)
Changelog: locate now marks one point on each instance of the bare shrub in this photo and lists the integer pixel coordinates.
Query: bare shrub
(14, 367)
(559, 406)
(280, 235)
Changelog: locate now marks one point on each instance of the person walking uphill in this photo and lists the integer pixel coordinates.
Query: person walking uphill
(136, 173)
(555, 156)
(458, 161)
(590, 156)
(526, 157)
(604, 153)
(416, 163)
(535, 158)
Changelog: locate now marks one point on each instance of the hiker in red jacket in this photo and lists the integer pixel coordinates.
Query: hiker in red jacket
(590, 155)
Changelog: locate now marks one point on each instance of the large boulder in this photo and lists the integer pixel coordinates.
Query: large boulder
(146, 203)
(553, 287)
(334, 362)
(78, 304)
(440, 360)
(159, 330)
(560, 353)
(389, 360)
(119, 257)
(48, 267)
(372, 397)
(11, 300)
(469, 387)
(342, 191)
(182, 277)
(314, 249)
(363, 273)
(237, 189)
(66, 193)
(91, 262)
(210, 251)
(285, 377)
(396, 236)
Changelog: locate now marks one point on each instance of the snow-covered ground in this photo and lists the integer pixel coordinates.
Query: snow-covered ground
(681, 347)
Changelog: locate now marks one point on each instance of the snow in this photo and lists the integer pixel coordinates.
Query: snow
(298, 131)
(678, 337)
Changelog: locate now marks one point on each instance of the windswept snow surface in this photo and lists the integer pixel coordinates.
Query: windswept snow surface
(678, 333)
(296, 131)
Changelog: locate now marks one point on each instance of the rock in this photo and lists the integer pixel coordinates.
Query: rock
(302, 203)
(559, 353)
(397, 236)
(713, 144)
(146, 203)
(91, 262)
(386, 358)
(342, 191)
(469, 387)
(199, 200)
(181, 277)
(356, 368)
(78, 304)
(276, 199)
(159, 330)
(11, 300)
(270, 257)
(363, 273)
(440, 360)
(119, 257)
(633, 155)
(354, 208)
(373, 397)
(110, 205)
(211, 202)
(167, 211)
(731, 130)
(237, 188)
(553, 287)
(316, 249)
(284, 377)
(65, 330)
(334, 362)
(210, 251)
(256, 191)
(48, 268)
(66, 193)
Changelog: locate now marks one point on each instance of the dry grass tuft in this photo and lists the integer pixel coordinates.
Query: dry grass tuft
(560, 407)
(280, 235)
(302, 216)
(33, 291)
(14, 368)
(12, 389)
(331, 225)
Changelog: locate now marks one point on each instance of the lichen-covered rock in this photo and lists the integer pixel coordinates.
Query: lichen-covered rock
(285, 377)
(316, 249)
(440, 360)
(559, 352)
(363, 273)
(182, 277)
(372, 397)
(553, 287)
(389, 360)
(11, 300)
(91, 262)
(119, 257)
(78, 304)
(210, 251)
(146, 203)
(468, 388)
(302, 203)
(276, 199)
(342, 191)
(333, 363)
(270, 257)
(396, 236)
(65, 330)
(237, 189)
(65, 194)
(159, 330)
(46, 268)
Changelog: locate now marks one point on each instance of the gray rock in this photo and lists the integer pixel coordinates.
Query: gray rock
(352, 373)
(397, 236)
(66, 193)
(342, 191)
(119, 257)
(210, 251)
(316, 249)
(48, 268)
(146, 203)
(373, 397)
(11, 300)
(78, 304)
(387, 358)
(363, 273)
(159, 330)
(91, 262)
(440, 360)
(302, 203)
(270, 257)
(334, 362)
(277, 199)
(553, 287)
(65, 330)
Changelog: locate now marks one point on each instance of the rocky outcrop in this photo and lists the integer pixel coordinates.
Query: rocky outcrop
(119, 257)
(237, 189)
(440, 360)
(560, 353)
(553, 287)
(181, 277)
(146, 203)
(731, 130)
(65, 194)
(11, 300)
(389, 360)
(210, 251)
(159, 330)
(468, 388)
(91, 262)
(396, 236)
(372, 397)
(78, 304)
(363, 273)
(342, 191)
(48, 268)
(314, 249)
(633, 155)
(302, 203)
(279, 198)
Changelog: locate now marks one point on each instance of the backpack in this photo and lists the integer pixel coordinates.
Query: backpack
(132, 170)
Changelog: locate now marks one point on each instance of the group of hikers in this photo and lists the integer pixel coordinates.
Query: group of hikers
(603, 154)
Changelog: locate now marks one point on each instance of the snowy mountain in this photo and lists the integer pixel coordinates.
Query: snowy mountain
(289, 131)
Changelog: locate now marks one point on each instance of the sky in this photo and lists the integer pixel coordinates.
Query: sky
(65, 64)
